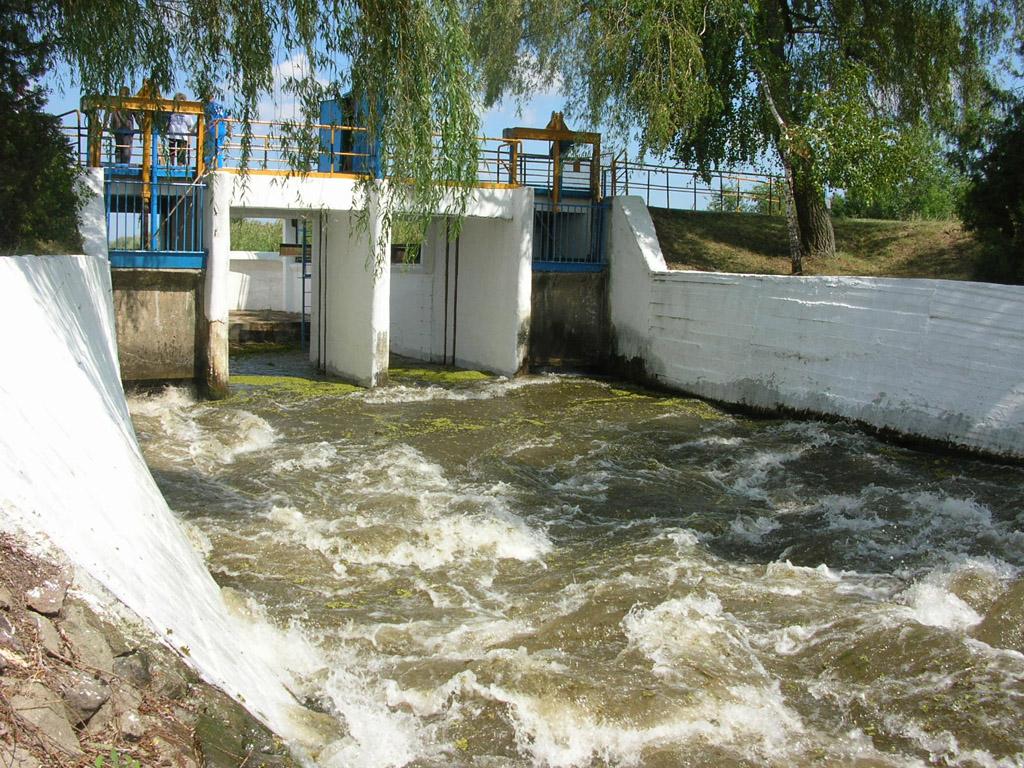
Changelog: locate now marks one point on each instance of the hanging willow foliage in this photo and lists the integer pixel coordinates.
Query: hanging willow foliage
(407, 63)
(835, 88)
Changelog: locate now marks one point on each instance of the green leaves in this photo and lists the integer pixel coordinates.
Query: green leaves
(116, 760)
(994, 203)
(408, 63)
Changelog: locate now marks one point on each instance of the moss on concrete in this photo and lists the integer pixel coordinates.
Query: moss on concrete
(298, 386)
(438, 375)
(253, 348)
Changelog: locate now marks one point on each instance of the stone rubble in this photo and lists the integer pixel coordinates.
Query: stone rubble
(78, 686)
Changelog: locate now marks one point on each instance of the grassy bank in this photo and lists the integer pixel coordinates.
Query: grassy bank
(743, 242)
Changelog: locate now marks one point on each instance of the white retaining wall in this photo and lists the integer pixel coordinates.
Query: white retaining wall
(937, 359)
(70, 467)
(265, 280)
(92, 219)
(414, 298)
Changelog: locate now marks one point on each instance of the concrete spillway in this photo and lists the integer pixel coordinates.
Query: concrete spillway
(70, 467)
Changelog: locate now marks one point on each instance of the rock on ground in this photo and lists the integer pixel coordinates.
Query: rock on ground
(36, 704)
(46, 598)
(133, 695)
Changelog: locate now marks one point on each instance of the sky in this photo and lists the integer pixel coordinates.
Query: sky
(64, 96)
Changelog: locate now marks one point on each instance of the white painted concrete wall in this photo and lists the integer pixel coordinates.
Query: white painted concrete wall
(71, 469)
(937, 359)
(92, 219)
(269, 196)
(217, 233)
(489, 285)
(354, 319)
(494, 289)
(265, 280)
(412, 305)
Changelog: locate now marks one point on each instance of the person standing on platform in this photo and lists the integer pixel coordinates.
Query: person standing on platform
(121, 122)
(179, 128)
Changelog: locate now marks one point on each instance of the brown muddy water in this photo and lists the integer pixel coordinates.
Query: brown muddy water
(565, 572)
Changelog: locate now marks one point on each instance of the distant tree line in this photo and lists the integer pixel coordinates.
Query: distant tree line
(993, 205)
(253, 235)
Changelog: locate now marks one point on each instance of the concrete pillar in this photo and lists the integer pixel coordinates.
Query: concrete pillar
(355, 313)
(216, 293)
(490, 328)
(92, 219)
(633, 254)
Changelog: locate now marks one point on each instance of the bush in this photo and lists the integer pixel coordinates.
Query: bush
(993, 205)
(253, 235)
(931, 190)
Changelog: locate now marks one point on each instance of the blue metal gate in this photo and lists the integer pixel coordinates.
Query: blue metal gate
(155, 225)
(569, 237)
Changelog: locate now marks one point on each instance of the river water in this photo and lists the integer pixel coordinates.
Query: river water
(561, 571)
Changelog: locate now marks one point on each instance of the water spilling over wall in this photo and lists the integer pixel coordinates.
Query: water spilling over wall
(70, 468)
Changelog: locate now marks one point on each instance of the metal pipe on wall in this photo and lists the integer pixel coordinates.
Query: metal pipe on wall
(455, 301)
(447, 259)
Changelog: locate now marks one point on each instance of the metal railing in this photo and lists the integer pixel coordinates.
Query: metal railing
(276, 147)
(75, 128)
(538, 171)
(568, 234)
(665, 186)
(284, 147)
(123, 150)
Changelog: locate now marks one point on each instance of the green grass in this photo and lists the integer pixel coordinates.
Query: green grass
(752, 243)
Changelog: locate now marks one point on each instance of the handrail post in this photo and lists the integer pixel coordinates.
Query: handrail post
(201, 146)
(556, 173)
(95, 138)
(147, 170)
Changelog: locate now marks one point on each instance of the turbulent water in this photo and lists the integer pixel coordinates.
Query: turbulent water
(556, 571)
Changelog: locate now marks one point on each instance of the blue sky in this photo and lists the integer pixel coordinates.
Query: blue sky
(64, 96)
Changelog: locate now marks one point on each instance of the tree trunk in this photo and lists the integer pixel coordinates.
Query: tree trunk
(817, 238)
(796, 248)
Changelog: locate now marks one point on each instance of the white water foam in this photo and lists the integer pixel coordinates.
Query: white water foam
(404, 511)
(483, 389)
(934, 606)
(753, 721)
(182, 433)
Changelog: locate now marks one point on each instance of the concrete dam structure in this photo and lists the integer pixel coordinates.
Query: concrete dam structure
(544, 570)
(554, 267)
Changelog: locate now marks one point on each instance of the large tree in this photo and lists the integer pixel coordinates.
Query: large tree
(833, 87)
(38, 198)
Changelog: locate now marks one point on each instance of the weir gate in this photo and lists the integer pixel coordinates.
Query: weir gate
(523, 284)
